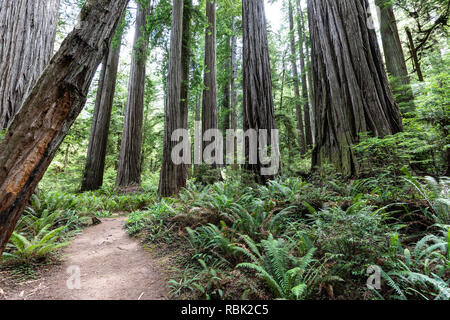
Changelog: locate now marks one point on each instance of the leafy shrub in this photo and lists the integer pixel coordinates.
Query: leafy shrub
(356, 234)
(39, 247)
(422, 272)
(436, 193)
(288, 277)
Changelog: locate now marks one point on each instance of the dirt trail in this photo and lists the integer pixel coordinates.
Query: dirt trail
(111, 265)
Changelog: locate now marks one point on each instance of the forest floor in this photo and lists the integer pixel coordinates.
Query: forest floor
(111, 265)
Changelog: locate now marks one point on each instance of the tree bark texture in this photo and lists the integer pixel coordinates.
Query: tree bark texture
(129, 171)
(185, 61)
(302, 48)
(298, 105)
(173, 177)
(258, 109)
(394, 57)
(233, 87)
(95, 161)
(351, 89)
(209, 108)
(27, 36)
(51, 108)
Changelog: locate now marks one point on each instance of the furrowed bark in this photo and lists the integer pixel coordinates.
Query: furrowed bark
(351, 89)
(27, 36)
(302, 48)
(258, 110)
(394, 57)
(233, 88)
(129, 171)
(226, 94)
(51, 108)
(173, 177)
(185, 62)
(298, 105)
(209, 109)
(95, 161)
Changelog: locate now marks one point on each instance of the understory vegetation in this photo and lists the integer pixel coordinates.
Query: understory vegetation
(358, 210)
(302, 236)
(297, 240)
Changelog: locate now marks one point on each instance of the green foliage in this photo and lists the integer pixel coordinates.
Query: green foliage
(422, 271)
(187, 283)
(356, 235)
(2, 135)
(287, 276)
(209, 242)
(206, 175)
(436, 193)
(38, 247)
(151, 218)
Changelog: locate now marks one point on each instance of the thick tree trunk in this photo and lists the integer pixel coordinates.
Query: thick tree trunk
(395, 59)
(51, 108)
(298, 105)
(258, 109)
(302, 48)
(351, 89)
(129, 171)
(173, 176)
(209, 109)
(27, 35)
(95, 161)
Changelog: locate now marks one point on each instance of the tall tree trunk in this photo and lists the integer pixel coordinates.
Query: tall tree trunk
(258, 110)
(226, 102)
(185, 61)
(298, 106)
(173, 176)
(351, 89)
(51, 108)
(96, 155)
(209, 109)
(395, 59)
(197, 148)
(28, 29)
(414, 56)
(302, 48)
(233, 87)
(283, 80)
(311, 96)
(129, 171)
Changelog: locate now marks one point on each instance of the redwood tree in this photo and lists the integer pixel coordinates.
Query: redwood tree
(95, 161)
(233, 86)
(209, 107)
(351, 89)
(50, 109)
(129, 170)
(298, 105)
(173, 176)
(258, 109)
(302, 48)
(394, 56)
(28, 29)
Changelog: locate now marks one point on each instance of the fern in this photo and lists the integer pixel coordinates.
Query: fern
(286, 275)
(41, 246)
